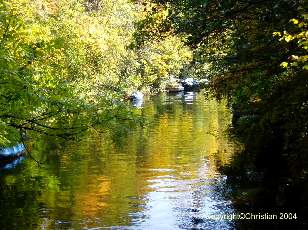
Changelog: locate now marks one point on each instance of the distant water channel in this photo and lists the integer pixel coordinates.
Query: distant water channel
(160, 176)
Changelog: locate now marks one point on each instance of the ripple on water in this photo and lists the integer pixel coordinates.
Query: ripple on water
(161, 176)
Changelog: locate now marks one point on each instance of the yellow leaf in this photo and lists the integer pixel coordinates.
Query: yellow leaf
(277, 34)
(288, 38)
(295, 21)
(284, 64)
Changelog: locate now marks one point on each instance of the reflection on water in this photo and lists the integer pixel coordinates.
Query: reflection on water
(161, 176)
(11, 165)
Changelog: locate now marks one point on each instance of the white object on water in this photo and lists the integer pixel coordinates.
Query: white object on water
(137, 95)
(190, 82)
(137, 99)
(204, 81)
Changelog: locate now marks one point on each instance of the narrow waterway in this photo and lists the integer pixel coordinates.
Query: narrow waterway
(163, 175)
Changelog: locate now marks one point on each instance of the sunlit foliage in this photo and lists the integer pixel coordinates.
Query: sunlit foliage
(64, 64)
(159, 60)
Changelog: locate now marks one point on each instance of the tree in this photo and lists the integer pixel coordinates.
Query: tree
(66, 66)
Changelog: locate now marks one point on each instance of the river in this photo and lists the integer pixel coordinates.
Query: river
(162, 175)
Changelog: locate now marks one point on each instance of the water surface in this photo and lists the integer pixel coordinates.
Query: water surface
(163, 175)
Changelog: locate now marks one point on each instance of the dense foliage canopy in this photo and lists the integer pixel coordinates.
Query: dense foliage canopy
(67, 65)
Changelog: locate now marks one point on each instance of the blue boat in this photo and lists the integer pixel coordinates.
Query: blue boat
(9, 155)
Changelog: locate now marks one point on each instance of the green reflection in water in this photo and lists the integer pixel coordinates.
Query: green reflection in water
(164, 170)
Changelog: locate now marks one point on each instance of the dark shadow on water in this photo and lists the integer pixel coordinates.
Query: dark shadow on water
(271, 174)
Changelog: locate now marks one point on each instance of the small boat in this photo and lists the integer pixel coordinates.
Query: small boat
(137, 95)
(137, 99)
(203, 82)
(8, 155)
(190, 84)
